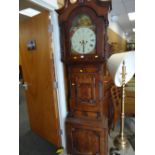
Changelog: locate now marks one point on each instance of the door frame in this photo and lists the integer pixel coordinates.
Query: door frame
(59, 73)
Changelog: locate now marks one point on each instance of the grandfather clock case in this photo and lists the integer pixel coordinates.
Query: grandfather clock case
(84, 50)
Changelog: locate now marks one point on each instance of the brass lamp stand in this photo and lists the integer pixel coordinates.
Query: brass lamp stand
(121, 141)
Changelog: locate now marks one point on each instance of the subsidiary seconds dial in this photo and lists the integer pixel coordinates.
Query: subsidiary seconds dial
(83, 40)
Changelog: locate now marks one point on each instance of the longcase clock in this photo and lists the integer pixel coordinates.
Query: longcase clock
(83, 29)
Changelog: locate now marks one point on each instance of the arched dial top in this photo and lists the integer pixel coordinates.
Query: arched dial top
(83, 40)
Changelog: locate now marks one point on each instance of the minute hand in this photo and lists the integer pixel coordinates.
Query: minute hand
(83, 46)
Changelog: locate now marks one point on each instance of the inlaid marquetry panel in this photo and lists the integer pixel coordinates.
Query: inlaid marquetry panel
(85, 89)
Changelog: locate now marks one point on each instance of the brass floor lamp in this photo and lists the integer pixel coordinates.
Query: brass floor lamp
(122, 68)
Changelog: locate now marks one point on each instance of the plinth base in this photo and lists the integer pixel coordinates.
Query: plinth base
(86, 137)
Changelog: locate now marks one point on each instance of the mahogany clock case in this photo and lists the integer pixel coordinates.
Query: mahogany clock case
(88, 89)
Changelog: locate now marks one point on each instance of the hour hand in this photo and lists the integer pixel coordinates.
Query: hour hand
(82, 44)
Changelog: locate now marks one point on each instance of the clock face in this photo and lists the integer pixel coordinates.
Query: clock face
(83, 40)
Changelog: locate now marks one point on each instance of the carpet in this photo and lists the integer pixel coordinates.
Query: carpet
(32, 144)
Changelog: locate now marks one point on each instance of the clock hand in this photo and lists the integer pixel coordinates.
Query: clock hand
(83, 43)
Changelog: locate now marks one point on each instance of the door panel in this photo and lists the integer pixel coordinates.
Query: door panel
(38, 72)
(86, 88)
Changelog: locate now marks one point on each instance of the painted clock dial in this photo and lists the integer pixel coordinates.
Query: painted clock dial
(83, 40)
(82, 35)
